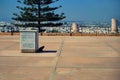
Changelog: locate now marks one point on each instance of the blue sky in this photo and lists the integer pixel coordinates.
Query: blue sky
(75, 10)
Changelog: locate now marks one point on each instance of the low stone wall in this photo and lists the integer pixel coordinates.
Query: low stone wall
(85, 34)
(64, 34)
(56, 34)
(9, 33)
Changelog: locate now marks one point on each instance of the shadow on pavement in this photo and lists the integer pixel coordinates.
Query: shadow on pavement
(41, 50)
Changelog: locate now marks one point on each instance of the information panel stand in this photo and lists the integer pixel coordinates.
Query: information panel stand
(29, 41)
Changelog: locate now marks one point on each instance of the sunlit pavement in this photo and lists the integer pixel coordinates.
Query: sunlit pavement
(63, 58)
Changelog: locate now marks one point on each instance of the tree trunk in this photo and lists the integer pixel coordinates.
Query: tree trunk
(39, 14)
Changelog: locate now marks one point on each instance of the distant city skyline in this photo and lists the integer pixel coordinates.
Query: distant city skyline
(75, 10)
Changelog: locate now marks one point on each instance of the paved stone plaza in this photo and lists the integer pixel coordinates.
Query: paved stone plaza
(63, 58)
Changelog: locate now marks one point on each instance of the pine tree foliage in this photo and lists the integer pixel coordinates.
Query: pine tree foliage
(37, 13)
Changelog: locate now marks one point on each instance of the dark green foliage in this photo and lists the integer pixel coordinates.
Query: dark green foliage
(37, 13)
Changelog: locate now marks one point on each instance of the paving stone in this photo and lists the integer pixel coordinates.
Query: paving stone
(86, 74)
(27, 61)
(90, 52)
(24, 73)
(90, 62)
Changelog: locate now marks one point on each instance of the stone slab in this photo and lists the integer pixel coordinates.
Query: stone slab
(89, 62)
(86, 74)
(24, 73)
(17, 53)
(90, 52)
(27, 61)
(6, 44)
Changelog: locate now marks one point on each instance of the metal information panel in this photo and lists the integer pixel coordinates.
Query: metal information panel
(28, 40)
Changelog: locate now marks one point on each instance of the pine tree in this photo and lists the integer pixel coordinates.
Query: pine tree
(37, 13)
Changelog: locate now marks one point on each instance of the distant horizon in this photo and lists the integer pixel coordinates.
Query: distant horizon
(75, 10)
(82, 22)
